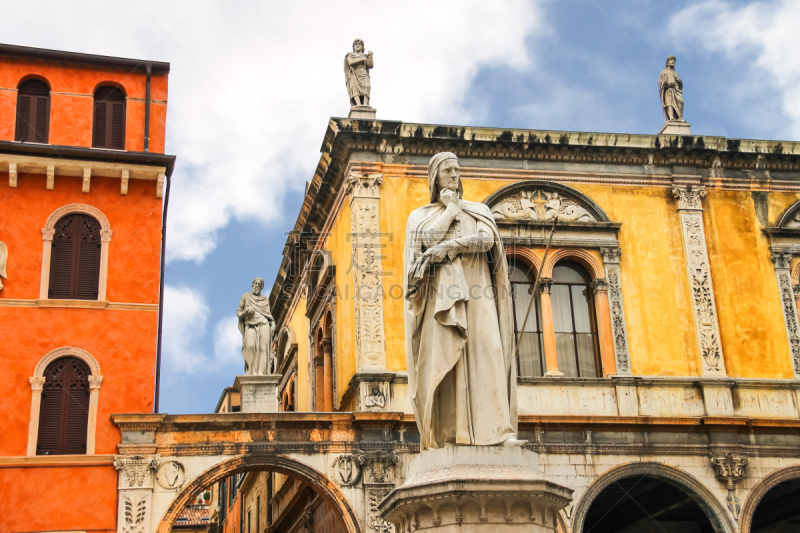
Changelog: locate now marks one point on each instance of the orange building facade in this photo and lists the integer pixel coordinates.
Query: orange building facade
(83, 181)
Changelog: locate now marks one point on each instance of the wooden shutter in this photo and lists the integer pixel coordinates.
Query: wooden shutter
(64, 411)
(109, 118)
(75, 258)
(33, 112)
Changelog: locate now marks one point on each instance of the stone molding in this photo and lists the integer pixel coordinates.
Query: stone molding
(701, 287)
(579, 255)
(367, 267)
(766, 484)
(47, 237)
(37, 384)
(782, 260)
(720, 518)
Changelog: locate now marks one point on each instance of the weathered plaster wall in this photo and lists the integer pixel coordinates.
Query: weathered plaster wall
(71, 108)
(299, 323)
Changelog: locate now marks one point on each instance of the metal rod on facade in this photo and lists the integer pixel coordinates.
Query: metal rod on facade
(536, 284)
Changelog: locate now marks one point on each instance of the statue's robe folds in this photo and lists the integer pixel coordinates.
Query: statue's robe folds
(462, 377)
(256, 333)
(356, 74)
(670, 87)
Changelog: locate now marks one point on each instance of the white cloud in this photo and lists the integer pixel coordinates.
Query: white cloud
(252, 88)
(765, 31)
(186, 317)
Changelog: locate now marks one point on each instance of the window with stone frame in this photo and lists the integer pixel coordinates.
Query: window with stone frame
(574, 321)
(530, 360)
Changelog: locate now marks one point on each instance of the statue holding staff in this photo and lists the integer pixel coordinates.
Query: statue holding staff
(256, 326)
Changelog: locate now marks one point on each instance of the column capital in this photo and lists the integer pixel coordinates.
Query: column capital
(364, 184)
(47, 234)
(689, 198)
(37, 383)
(782, 259)
(545, 284)
(729, 469)
(95, 381)
(136, 471)
(327, 344)
(599, 285)
(611, 255)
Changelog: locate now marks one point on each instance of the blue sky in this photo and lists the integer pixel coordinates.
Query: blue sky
(252, 87)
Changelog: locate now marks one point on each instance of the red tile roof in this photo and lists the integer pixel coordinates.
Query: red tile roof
(194, 515)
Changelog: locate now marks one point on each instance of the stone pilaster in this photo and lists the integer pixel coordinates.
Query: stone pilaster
(782, 260)
(690, 211)
(619, 331)
(729, 469)
(135, 492)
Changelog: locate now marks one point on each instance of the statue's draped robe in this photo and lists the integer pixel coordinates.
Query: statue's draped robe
(357, 76)
(459, 334)
(671, 89)
(256, 333)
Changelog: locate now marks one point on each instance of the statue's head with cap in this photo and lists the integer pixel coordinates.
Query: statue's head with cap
(444, 173)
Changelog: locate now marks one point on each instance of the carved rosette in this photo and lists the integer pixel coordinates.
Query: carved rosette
(690, 211)
(783, 262)
(611, 259)
(367, 252)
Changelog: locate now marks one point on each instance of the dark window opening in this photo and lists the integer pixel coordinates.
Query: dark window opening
(531, 348)
(33, 112)
(64, 408)
(75, 258)
(574, 321)
(777, 512)
(109, 118)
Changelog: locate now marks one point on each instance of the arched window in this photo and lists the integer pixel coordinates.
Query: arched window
(64, 410)
(33, 112)
(75, 258)
(574, 321)
(531, 351)
(109, 118)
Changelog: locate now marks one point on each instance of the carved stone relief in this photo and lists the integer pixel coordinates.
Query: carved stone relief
(690, 211)
(730, 470)
(134, 514)
(171, 475)
(375, 523)
(611, 258)
(346, 469)
(367, 271)
(374, 396)
(540, 205)
(783, 262)
(135, 472)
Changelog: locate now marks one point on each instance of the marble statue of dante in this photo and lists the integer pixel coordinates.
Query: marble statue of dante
(256, 326)
(670, 87)
(356, 74)
(462, 377)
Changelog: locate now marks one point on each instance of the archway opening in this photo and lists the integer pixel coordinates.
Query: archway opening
(647, 504)
(255, 494)
(778, 512)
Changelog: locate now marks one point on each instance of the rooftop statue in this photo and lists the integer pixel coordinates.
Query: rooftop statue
(670, 89)
(356, 76)
(459, 332)
(256, 326)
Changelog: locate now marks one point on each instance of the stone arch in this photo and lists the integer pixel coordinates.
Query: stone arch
(791, 217)
(47, 237)
(701, 494)
(281, 464)
(579, 255)
(80, 353)
(37, 384)
(526, 255)
(758, 492)
(551, 187)
(796, 273)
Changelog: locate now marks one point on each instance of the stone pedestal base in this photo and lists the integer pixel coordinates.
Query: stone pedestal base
(259, 393)
(363, 112)
(475, 489)
(675, 127)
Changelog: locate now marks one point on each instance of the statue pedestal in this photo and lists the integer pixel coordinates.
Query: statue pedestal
(475, 489)
(675, 127)
(364, 112)
(259, 393)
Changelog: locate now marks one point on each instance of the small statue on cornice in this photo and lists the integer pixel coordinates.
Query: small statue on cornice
(670, 90)
(356, 77)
